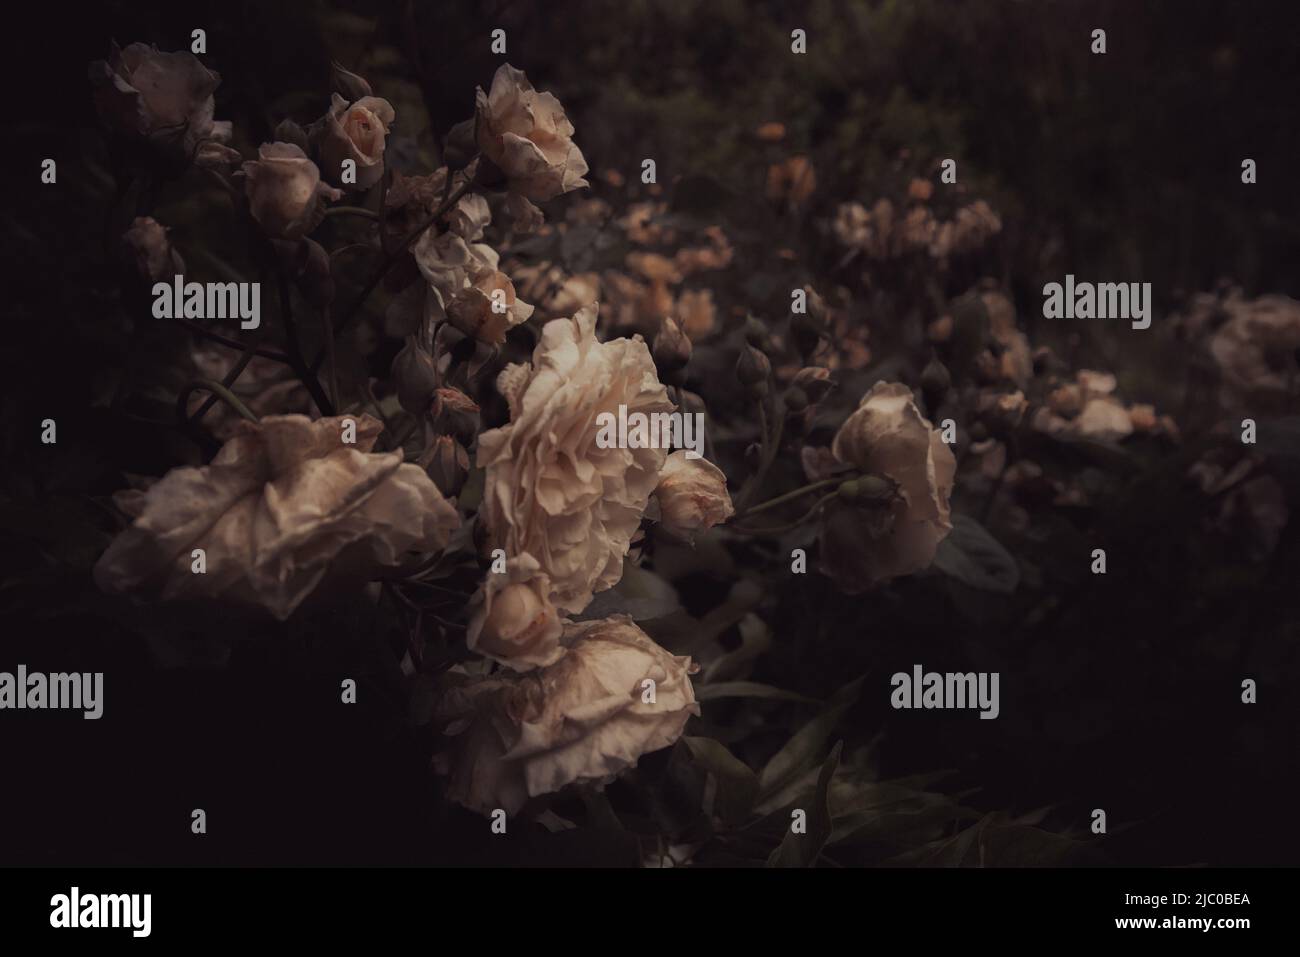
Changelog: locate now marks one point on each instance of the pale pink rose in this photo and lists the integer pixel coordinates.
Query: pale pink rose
(284, 507)
(165, 98)
(888, 436)
(550, 490)
(514, 621)
(285, 192)
(527, 135)
(357, 132)
(614, 696)
(692, 496)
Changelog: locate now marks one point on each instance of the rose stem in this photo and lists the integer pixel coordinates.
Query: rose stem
(790, 496)
(295, 350)
(218, 390)
(235, 344)
(389, 262)
(782, 529)
(235, 371)
(351, 211)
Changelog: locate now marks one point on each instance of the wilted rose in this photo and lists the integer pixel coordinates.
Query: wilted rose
(613, 696)
(285, 192)
(514, 622)
(488, 308)
(165, 98)
(527, 135)
(888, 436)
(354, 131)
(285, 505)
(692, 496)
(150, 251)
(550, 490)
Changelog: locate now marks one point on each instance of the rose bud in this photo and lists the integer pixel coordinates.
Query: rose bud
(454, 413)
(447, 463)
(935, 382)
(151, 252)
(285, 194)
(348, 84)
(515, 622)
(672, 350)
(460, 147)
(814, 382)
(357, 132)
(756, 333)
(287, 131)
(416, 377)
(753, 369)
(692, 496)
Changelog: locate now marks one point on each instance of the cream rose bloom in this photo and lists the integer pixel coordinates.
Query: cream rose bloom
(550, 490)
(357, 132)
(285, 192)
(692, 496)
(583, 719)
(283, 507)
(528, 136)
(165, 98)
(887, 435)
(514, 621)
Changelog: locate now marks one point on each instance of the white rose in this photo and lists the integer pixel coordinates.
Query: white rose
(583, 719)
(283, 506)
(527, 135)
(550, 490)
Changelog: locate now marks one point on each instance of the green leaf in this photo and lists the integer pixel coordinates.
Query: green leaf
(640, 594)
(802, 850)
(974, 557)
(801, 751)
(734, 784)
(749, 689)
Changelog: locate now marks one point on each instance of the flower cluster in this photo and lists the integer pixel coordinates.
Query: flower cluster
(310, 496)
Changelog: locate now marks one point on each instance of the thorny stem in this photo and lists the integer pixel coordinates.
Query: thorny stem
(389, 262)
